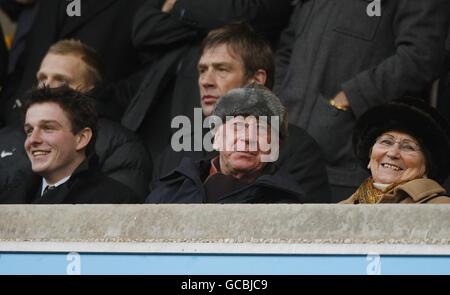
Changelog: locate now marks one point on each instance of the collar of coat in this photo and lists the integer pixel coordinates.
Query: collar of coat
(419, 190)
(197, 171)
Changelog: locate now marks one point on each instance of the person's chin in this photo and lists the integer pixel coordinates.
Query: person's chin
(244, 164)
(207, 110)
(40, 167)
(388, 179)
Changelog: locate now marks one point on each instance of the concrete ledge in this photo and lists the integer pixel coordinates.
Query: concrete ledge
(244, 228)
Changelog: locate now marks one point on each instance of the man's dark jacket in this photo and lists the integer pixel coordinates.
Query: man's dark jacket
(121, 156)
(185, 185)
(300, 156)
(334, 45)
(87, 185)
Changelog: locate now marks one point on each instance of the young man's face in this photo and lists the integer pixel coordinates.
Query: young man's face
(220, 70)
(54, 151)
(57, 70)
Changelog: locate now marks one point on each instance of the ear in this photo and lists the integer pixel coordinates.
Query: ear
(260, 77)
(83, 138)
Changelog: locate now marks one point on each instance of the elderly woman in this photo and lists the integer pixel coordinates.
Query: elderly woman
(243, 171)
(406, 146)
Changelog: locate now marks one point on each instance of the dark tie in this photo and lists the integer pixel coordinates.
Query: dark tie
(48, 189)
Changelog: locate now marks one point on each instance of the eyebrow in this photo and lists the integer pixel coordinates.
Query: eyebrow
(56, 76)
(44, 122)
(215, 64)
(405, 139)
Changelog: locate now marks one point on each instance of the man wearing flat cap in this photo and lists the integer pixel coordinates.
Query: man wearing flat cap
(250, 124)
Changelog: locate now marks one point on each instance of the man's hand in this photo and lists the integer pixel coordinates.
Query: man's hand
(168, 5)
(340, 101)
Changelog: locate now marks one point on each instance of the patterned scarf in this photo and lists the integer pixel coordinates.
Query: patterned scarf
(368, 194)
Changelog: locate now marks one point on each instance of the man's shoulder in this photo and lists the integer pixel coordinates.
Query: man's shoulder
(106, 189)
(110, 129)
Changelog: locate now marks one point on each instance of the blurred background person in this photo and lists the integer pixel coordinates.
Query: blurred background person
(103, 25)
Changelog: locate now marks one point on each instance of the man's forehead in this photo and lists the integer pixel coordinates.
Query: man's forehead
(45, 112)
(43, 122)
(220, 50)
(62, 62)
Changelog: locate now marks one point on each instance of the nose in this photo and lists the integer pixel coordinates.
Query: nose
(394, 151)
(33, 139)
(206, 79)
(247, 139)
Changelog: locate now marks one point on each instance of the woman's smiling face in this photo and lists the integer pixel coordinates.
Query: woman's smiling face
(396, 157)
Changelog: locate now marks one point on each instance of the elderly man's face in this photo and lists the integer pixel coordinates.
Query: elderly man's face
(57, 70)
(53, 149)
(242, 143)
(219, 71)
(396, 157)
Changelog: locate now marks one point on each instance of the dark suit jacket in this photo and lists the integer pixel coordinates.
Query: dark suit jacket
(121, 156)
(87, 185)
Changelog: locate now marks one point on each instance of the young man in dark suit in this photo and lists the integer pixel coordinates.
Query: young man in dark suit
(121, 154)
(61, 128)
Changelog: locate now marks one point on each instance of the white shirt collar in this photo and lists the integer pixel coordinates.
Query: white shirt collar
(45, 183)
(381, 186)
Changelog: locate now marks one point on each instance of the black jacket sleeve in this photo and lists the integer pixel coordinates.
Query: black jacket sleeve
(131, 165)
(264, 15)
(12, 9)
(123, 157)
(154, 30)
(193, 19)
